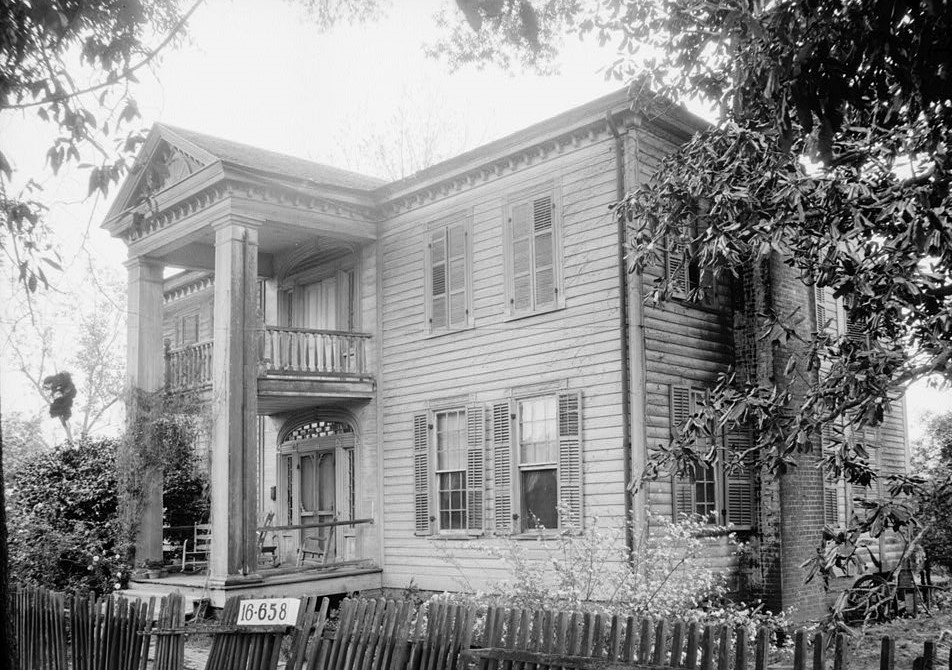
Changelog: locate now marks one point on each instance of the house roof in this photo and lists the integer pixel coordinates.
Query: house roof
(263, 160)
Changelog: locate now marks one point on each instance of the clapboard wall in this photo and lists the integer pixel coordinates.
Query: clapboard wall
(576, 348)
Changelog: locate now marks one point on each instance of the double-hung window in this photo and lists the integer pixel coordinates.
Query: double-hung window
(448, 470)
(533, 258)
(448, 291)
(450, 434)
(537, 462)
(722, 491)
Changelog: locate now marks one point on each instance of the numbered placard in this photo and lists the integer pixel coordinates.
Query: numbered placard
(269, 612)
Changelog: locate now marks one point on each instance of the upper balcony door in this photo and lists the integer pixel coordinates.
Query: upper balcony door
(319, 305)
(326, 304)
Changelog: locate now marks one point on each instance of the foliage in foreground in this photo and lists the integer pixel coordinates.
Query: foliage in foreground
(64, 521)
(831, 154)
(591, 570)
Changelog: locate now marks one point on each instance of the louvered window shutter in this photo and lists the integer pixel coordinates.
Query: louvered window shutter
(739, 481)
(502, 466)
(458, 304)
(819, 299)
(543, 255)
(676, 269)
(521, 226)
(683, 486)
(438, 279)
(855, 329)
(570, 457)
(421, 475)
(831, 506)
(475, 467)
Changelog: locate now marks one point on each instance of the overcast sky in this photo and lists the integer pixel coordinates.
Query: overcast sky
(257, 72)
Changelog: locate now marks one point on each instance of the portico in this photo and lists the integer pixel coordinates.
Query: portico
(197, 207)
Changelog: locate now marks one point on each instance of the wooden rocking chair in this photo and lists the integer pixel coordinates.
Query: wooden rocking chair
(316, 550)
(195, 555)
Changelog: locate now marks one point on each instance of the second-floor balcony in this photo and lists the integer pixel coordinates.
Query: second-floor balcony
(296, 366)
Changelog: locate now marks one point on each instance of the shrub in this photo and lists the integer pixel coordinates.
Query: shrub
(62, 520)
(593, 571)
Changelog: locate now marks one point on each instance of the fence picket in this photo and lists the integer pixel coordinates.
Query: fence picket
(660, 642)
(887, 654)
(724, 649)
(690, 661)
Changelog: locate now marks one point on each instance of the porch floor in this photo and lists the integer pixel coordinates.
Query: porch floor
(275, 582)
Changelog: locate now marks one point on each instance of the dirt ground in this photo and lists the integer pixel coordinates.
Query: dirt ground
(910, 634)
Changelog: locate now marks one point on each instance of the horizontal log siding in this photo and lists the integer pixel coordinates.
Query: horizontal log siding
(684, 344)
(577, 344)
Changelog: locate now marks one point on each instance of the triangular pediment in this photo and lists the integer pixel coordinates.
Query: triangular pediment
(164, 160)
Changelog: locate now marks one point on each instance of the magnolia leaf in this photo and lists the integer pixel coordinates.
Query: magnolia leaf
(5, 166)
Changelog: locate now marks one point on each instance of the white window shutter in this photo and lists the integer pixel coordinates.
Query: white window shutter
(475, 467)
(739, 481)
(502, 466)
(543, 252)
(421, 475)
(682, 498)
(438, 279)
(458, 308)
(819, 299)
(521, 232)
(570, 457)
(676, 269)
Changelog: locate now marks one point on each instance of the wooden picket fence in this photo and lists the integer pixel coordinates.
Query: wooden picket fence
(57, 632)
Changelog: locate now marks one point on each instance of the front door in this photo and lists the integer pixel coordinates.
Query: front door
(316, 487)
(318, 500)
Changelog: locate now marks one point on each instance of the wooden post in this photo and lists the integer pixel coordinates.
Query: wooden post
(234, 476)
(145, 366)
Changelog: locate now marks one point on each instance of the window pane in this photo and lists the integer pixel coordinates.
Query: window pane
(308, 483)
(538, 435)
(451, 440)
(452, 497)
(539, 499)
(704, 493)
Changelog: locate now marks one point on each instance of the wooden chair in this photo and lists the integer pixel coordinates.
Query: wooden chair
(195, 555)
(316, 550)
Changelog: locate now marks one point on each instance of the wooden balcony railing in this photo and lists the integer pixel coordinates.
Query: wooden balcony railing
(189, 367)
(308, 351)
(293, 351)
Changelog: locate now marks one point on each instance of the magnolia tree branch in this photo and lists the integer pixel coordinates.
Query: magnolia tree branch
(126, 74)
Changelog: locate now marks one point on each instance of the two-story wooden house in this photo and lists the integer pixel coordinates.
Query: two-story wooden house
(399, 371)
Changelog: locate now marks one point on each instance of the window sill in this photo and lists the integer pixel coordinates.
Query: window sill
(540, 535)
(462, 535)
(526, 315)
(429, 335)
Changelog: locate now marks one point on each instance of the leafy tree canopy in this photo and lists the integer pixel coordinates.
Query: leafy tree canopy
(830, 152)
(72, 63)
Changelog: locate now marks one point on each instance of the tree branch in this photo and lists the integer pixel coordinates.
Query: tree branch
(126, 74)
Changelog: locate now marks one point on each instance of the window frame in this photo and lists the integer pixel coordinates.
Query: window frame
(692, 276)
(528, 197)
(427, 499)
(445, 225)
(437, 471)
(534, 466)
(722, 479)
